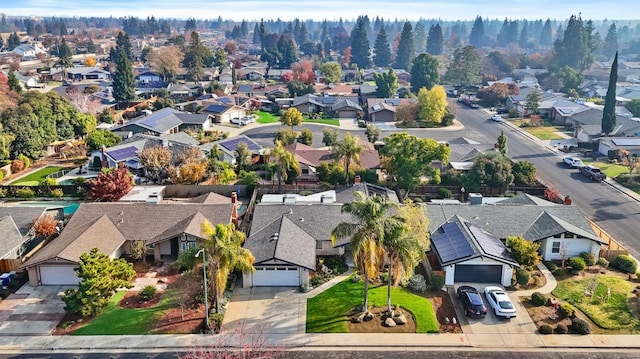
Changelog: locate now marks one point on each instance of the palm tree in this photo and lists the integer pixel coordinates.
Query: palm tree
(367, 232)
(285, 161)
(348, 149)
(223, 247)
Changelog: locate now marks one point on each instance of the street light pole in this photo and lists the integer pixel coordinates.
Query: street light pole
(204, 272)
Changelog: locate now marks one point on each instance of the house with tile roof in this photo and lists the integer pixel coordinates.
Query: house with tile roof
(165, 228)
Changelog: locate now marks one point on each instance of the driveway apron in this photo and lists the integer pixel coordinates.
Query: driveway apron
(32, 311)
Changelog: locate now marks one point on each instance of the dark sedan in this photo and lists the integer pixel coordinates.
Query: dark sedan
(471, 302)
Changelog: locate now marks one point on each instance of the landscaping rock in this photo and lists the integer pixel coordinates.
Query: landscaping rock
(389, 322)
(358, 318)
(367, 316)
(400, 319)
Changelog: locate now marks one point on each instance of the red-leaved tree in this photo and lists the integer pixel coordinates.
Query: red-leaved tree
(303, 71)
(111, 185)
(45, 226)
(347, 55)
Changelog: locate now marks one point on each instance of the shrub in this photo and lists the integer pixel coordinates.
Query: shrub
(437, 282)
(316, 281)
(550, 266)
(384, 277)
(3, 192)
(589, 258)
(305, 288)
(79, 180)
(1, 175)
(559, 272)
(538, 299)
(567, 310)
(26, 160)
(417, 283)
(49, 182)
(603, 262)
(444, 193)
(561, 329)
(17, 166)
(56, 193)
(577, 264)
(580, 326)
(522, 276)
(147, 293)
(625, 263)
(356, 279)
(338, 264)
(25, 192)
(215, 320)
(545, 329)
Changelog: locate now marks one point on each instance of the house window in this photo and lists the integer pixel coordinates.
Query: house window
(187, 242)
(555, 247)
(318, 244)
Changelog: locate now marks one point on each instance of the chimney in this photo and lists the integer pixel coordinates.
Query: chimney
(154, 198)
(475, 198)
(357, 180)
(234, 197)
(567, 200)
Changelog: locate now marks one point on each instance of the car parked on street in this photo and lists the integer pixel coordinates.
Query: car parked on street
(238, 121)
(573, 162)
(471, 302)
(496, 118)
(500, 302)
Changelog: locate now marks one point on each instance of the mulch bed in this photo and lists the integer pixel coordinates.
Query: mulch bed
(443, 306)
(132, 300)
(173, 322)
(376, 324)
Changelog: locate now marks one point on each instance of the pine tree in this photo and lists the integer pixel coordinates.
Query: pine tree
(477, 35)
(13, 41)
(611, 41)
(405, 47)
(382, 56)
(609, 111)
(256, 34)
(435, 41)
(13, 82)
(523, 41)
(124, 82)
(360, 45)
(575, 47)
(420, 38)
(123, 44)
(194, 60)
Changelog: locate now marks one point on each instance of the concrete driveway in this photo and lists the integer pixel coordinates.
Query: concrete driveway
(32, 310)
(490, 324)
(266, 310)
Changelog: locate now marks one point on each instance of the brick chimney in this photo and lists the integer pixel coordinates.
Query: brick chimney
(234, 197)
(357, 180)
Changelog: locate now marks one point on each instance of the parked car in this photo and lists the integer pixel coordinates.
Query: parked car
(593, 173)
(501, 110)
(471, 302)
(573, 162)
(249, 119)
(500, 302)
(496, 118)
(238, 121)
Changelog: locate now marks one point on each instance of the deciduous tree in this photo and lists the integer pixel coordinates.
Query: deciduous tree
(99, 138)
(524, 251)
(111, 185)
(372, 132)
(492, 169)
(424, 72)
(155, 161)
(166, 61)
(532, 103)
(329, 136)
(291, 117)
(432, 104)
(524, 173)
(45, 226)
(306, 137)
(303, 72)
(331, 72)
(386, 84)
(465, 67)
(243, 157)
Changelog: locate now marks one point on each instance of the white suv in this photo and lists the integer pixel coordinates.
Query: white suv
(238, 121)
(573, 162)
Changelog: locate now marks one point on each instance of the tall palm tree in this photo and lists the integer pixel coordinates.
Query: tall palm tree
(349, 150)
(285, 161)
(367, 232)
(223, 247)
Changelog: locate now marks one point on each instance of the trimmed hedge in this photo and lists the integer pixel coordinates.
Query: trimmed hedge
(580, 326)
(538, 299)
(625, 263)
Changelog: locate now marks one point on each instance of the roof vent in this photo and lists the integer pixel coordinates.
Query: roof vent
(290, 210)
(275, 236)
(301, 219)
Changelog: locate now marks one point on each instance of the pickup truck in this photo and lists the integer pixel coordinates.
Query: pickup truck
(593, 172)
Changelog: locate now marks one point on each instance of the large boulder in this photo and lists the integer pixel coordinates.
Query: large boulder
(400, 319)
(389, 322)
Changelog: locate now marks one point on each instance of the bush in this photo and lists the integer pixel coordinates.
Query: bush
(589, 258)
(545, 329)
(577, 264)
(26, 160)
(1, 175)
(567, 310)
(17, 166)
(444, 193)
(513, 113)
(538, 299)
(550, 266)
(338, 264)
(561, 329)
(580, 326)
(49, 182)
(56, 193)
(25, 192)
(356, 279)
(522, 276)
(625, 263)
(437, 282)
(559, 272)
(417, 283)
(3, 192)
(79, 180)
(316, 281)
(603, 262)
(147, 293)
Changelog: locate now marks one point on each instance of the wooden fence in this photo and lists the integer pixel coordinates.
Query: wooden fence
(613, 247)
(8, 265)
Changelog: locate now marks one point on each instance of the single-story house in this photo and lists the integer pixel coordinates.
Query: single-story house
(344, 107)
(166, 229)
(228, 147)
(28, 52)
(166, 121)
(223, 113)
(463, 152)
(468, 253)
(612, 146)
(87, 73)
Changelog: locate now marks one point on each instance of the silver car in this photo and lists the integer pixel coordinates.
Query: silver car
(500, 302)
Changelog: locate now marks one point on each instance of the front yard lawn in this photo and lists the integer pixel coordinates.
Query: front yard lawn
(325, 121)
(266, 117)
(327, 312)
(546, 132)
(612, 170)
(125, 321)
(608, 313)
(34, 179)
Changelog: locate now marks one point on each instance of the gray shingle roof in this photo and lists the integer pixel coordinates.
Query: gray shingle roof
(548, 225)
(15, 223)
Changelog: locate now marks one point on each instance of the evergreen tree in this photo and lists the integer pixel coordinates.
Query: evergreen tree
(610, 41)
(477, 35)
(13, 41)
(545, 35)
(503, 38)
(405, 47)
(420, 38)
(576, 47)
(287, 50)
(609, 111)
(523, 41)
(424, 72)
(256, 34)
(360, 50)
(13, 82)
(194, 59)
(382, 56)
(465, 67)
(64, 57)
(435, 41)
(123, 44)
(387, 84)
(124, 82)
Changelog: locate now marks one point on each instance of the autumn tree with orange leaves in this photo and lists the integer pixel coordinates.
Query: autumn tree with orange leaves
(45, 226)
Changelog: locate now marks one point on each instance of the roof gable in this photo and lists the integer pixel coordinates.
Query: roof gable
(548, 225)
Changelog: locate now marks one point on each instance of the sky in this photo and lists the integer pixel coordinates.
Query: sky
(329, 9)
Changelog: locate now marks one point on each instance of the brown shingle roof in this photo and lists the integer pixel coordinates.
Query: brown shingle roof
(369, 158)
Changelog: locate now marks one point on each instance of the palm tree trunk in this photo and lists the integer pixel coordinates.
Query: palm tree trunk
(365, 304)
(214, 284)
(279, 179)
(389, 286)
(346, 170)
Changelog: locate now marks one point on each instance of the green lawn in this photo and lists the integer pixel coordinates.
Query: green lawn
(327, 312)
(326, 121)
(124, 321)
(36, 177)
(545, 132)
(613, 313)
(266, 117)
(611, 169)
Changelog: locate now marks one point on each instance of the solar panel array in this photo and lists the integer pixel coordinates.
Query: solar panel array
(123, 153)
(451, 243)
(489, 243)
(233, 143)
(216, 108)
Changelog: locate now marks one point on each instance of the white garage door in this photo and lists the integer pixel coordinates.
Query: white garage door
(276, 277)
(58, 275)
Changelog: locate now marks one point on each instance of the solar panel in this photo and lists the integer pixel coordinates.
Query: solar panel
(233, 143)
(489, 243)
(451, 244)
(123, 153)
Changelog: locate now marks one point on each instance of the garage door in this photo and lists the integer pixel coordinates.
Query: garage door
(276, 277)
(478, 273)
(347, 114)
(58, 275)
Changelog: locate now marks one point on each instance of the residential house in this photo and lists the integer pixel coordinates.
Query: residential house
(28, 52)
(223, 113)
(340, 107)
(587, 125)
(17, 235)
(226, 77)
(463, 152)
(166, 229)
(384, 109)
(519, 101)
(228, 147)
(276, 74)
(87, 73)
(166, 121)
(251, 73)
(613, 147)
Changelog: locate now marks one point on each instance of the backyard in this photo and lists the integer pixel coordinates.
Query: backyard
(328, 312)
(34, 179)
